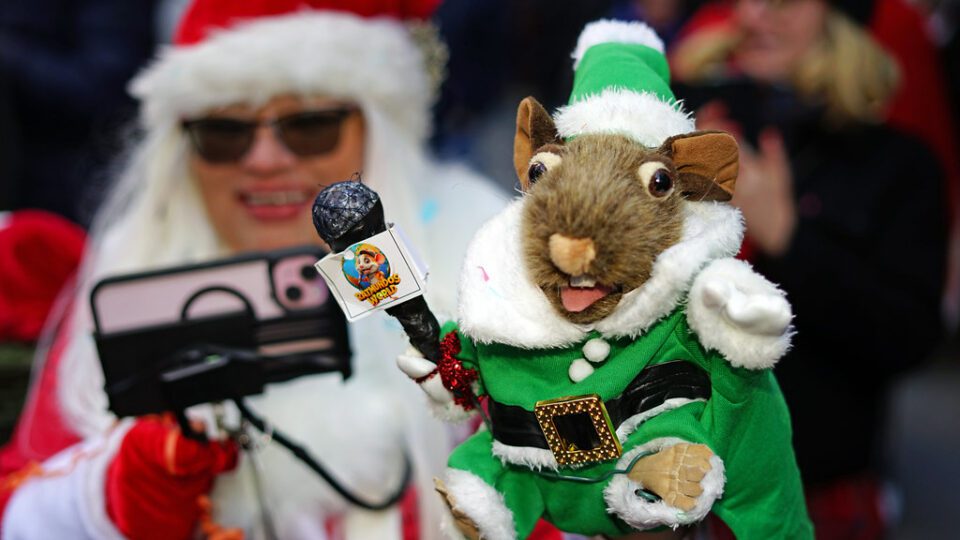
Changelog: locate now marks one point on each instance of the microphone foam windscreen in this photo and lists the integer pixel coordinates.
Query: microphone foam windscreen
(340, 207)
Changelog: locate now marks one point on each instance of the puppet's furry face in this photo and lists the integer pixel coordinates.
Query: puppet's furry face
(600, 211)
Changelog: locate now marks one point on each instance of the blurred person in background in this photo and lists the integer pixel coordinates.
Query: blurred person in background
(845, 213)
(63, 68)
(256, 107)
(500, 52)
(925, 104)
(667, 17)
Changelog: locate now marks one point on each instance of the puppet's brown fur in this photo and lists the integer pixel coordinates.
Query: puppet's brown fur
(595, 193)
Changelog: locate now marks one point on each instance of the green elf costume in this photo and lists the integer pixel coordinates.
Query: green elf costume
(684, 358)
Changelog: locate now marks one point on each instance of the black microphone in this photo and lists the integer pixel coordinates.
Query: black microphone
(349, 212)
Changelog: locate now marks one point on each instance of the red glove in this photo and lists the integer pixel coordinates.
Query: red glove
(158, 477)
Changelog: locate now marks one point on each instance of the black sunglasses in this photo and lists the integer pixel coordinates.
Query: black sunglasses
(307, 133)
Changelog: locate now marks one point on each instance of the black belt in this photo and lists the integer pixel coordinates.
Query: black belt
(516, 426)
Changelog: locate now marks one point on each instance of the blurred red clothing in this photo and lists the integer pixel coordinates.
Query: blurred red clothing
(39, 252)
(920, 106)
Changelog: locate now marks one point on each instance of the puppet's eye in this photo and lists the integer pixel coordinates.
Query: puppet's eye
(536, 169)
(656, 178)
(540, 163)
(661, 183)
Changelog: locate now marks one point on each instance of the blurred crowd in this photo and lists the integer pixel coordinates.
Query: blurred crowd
(847, 118)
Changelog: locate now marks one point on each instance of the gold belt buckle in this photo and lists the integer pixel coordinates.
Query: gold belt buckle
(558, 419)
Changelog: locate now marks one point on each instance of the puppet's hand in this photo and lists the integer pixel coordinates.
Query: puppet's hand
(425, 373)
(688, 477)
(674, 473)
(764, 313)
(740, 314)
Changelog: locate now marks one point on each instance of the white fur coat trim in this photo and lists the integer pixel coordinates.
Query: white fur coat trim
(499, 303)
(612, 31)
(526, 456)
(307, 53)
(641, 514)
(746, 349)
(641, 116)
(450, 413)
(630, 424)
(494, 519)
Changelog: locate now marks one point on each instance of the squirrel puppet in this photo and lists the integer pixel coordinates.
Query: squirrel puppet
(625, 355)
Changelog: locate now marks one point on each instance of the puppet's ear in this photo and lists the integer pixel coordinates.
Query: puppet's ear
(707, 163)
(535, 128)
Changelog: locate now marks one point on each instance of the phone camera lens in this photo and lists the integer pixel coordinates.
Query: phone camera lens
(308, 272)
(294, 293)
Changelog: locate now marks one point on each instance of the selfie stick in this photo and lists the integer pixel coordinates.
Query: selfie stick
(349, 212)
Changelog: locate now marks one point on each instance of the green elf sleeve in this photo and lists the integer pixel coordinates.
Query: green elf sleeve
(753, 485)
(748, 418)
(749, 424)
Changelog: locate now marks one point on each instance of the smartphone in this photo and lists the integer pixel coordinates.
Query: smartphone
(271, 309)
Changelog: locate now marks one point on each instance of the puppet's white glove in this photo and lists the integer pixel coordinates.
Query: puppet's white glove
(740, 313)
(425, 374)
(764, 313)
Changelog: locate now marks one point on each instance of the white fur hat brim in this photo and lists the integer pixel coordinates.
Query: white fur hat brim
(365, 60)
(640, 116)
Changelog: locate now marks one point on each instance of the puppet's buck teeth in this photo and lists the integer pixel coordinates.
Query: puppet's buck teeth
(583, 280)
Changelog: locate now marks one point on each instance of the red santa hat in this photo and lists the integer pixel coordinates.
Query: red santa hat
(247, 51)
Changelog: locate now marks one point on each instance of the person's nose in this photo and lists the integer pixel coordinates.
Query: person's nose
(267, 155)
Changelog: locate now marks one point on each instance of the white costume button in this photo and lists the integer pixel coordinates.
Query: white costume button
(596, 350)
(579, 370)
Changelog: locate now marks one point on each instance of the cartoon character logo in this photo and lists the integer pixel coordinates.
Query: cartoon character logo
(366, 267)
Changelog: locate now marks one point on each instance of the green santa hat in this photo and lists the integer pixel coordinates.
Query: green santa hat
(622, 85)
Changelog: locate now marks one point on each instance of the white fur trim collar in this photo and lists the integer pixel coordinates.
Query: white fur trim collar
(307, 53)
(500, 304)
(641, 116)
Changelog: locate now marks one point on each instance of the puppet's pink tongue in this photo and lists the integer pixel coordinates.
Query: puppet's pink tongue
(580, 298)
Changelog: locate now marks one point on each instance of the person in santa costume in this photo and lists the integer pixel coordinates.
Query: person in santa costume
(246, 117)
